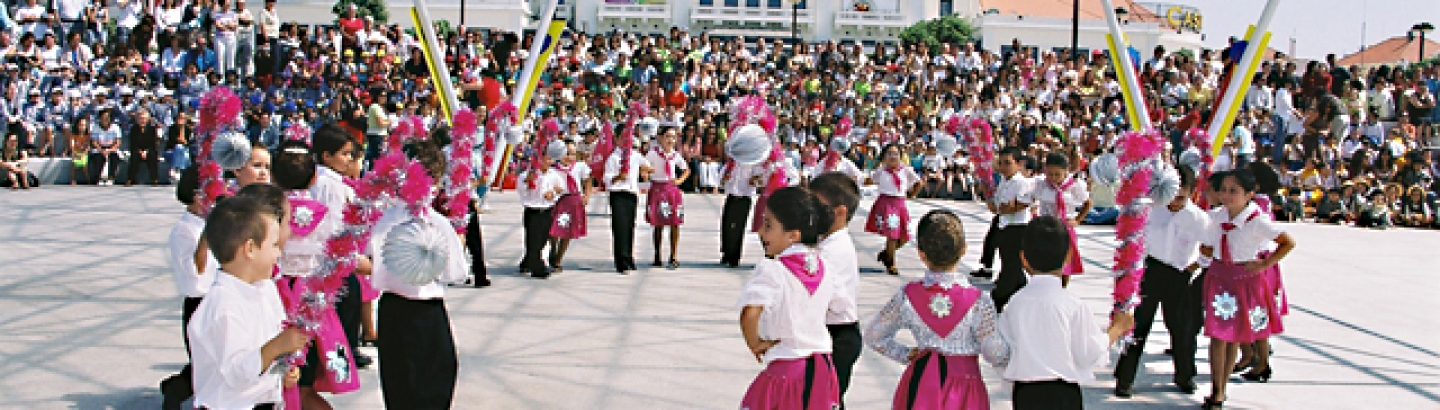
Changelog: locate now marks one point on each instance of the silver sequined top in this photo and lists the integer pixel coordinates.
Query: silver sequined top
(975, 335)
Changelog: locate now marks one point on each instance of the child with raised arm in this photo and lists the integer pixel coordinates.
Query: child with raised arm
(952, 322)
(783, 307)
(238, 332)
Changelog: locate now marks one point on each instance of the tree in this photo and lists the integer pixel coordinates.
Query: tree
(933, 33)
(363, 8)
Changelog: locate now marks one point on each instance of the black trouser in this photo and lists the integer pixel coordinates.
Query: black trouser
(622, 229)
(1197, 305)
(987, 251)
(1012, 272)
(181, 385)
(1047, 395)
(348, 311)
(732, 227)
(1163, 284)
(152, 164)
(418, 366)
(474, 241)
(537, 233)
(847, 345)
(99, 163)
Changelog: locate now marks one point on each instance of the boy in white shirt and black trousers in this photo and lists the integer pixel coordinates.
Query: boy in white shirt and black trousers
(840, 196)
(540, 189)
(418, 364)
(1172, 240)
(739, 183)
(622, 182)
(1012, 202)
(1054, 340)
(238, 332)
(190, 283)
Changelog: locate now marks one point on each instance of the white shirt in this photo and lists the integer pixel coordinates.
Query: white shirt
(545, 182)
(457, 266)
(1248, 239)
(330, 188)
(792, 314)
(1075, 197)
(844, 166)
(303, 255)
(738, 183)
(226, 333)
(661, 162)
(841, 262)
(1052, 334)
(884, 179)
(184, 237)
(579, 172)
(1174, 237)
(1015, 188)
(631, 182)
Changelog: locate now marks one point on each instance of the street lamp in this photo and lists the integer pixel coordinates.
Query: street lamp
(1120, 13)
(1075, 32)
(1422, 28)
(795, 23)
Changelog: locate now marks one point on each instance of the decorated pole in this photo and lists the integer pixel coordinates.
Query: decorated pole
(1125, 71)
(520, 96)
(434, 59)
(1256, 41)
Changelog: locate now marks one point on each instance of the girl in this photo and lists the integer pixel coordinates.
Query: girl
(570, 210)
(1059, 196)
(783, 307)
(12, 163)
(952, 321)
(335, 152)
(888, 216)
(1240, 302)
(79, 149)
(834, 160)
(665, 205)
(257, 169)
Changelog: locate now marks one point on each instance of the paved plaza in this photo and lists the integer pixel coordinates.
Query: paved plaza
(89, 318)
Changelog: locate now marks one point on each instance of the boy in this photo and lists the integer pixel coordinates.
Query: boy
(238, 331)
(1012, 202)
(1331, 209)
(190, 282)
(1054, 340)
(840, 195)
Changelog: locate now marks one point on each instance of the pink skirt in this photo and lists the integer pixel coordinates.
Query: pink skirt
(664, 205)
(1277, 287)
(758, 217)
(569, 215)
(368, 292)
(1073, 266)
(783, 385)
(1240, 307)
(937, 381)
(890, 218)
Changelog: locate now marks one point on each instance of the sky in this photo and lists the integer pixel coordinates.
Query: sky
(1319, 27)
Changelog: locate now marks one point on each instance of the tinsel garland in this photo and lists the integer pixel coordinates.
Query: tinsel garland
(1138, 155)
(497, 124)
(219, 112)
(1200, 139)
(980, 142)
(455, 192)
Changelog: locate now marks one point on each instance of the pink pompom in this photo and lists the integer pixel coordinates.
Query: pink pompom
(464, 123)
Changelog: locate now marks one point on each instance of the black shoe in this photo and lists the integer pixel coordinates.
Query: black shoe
(480, 282)
(1241, 367)
(1169, 352)
(983, 273)
(1213, 404)
(542, 274)
(1124, 391)
(673, 265)
(657, 263)
(363, 361)
(173, 398)
(523, 269)
(1262, 377)
(1187, 387)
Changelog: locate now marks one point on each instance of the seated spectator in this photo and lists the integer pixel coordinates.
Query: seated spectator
(13, 160)
(1415, 209)
(1332, 208)
(1376, 212)
(1292, 209)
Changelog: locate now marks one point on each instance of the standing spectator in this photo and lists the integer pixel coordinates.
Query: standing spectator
(245, 40)
(70, 14)
(226, 26)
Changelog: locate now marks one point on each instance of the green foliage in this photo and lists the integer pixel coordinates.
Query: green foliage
(933, 33)
(443, 30)
(372, 8)
(1187, 53)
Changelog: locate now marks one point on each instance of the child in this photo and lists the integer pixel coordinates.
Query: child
(1059, 196)
(1011, 202)
(783, 307)
(417, 350)
(622, 182)
(569, 212)
(1241, 299)
(1054, 340)
(839, 197)
(1332, 208)
(540, 188)
(889, 216)
(336, 151)
(664, 205)
(238, 331)
(739, 184)
(951, 321)
(190, 282)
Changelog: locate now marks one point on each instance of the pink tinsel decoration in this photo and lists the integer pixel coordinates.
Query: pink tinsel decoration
(1200, 139)
(1135, 149)
(219, 111)
(844, 128)
(298, 132)
(456, 194)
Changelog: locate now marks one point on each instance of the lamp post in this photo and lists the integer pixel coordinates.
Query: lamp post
(1075, 32)
(1422, 28)
(795, 23)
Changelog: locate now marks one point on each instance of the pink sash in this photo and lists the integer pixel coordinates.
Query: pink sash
(305, 215)
(806, 267)
(1074, 264)
(941, 309)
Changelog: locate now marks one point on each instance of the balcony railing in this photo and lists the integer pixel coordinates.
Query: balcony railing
(649, 11)
(750, 14)
(870, 18)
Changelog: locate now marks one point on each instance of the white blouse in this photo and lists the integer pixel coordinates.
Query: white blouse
(1075, 197)
(672, 161)
(884, 179)
(547, 182)
(975, 335)
(302, 254)
(1248, 239)
(791, 314)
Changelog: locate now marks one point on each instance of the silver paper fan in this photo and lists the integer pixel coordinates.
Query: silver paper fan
(750, 145)
(946, 145)
(515, 135)
(415, 252)
(557, 149)
(1191, 158)
(839, 144)
(1164, 183)
(647, 127)
(230, 150)
(1106, 169)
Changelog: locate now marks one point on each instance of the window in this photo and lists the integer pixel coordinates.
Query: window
(707, 3)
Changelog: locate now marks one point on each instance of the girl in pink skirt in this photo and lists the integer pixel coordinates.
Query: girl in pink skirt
(889, 216)
(1239, 301)
(664, 204)
(783, 307)
(952, 322)
(569, 212)
(1060, 196)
